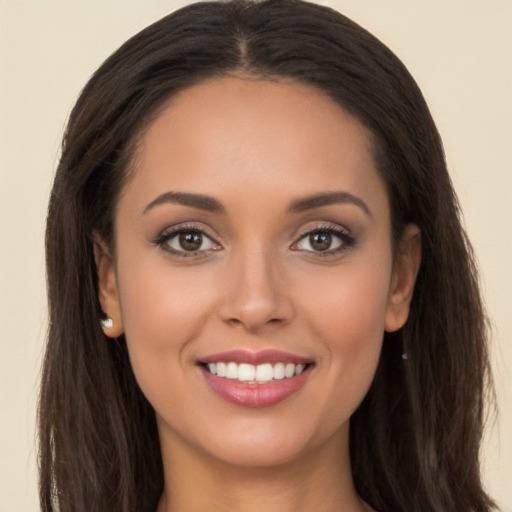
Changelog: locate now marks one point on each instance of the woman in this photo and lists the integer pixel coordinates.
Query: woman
(269, 301)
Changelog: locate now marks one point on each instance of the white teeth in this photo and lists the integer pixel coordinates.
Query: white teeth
(289, 370)
(221, 369)
(279, 371)
(264, 372)
(232, 371)
(245, 372)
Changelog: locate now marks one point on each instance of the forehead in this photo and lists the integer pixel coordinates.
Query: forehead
(267, 136)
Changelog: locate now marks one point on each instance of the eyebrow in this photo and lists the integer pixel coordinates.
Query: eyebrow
(326, 199)
(199, 201)
(209, 204)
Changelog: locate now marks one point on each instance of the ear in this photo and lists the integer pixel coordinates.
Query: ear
(107, 288)
(405, 270)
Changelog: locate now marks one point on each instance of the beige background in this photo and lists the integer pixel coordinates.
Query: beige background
(460, 52)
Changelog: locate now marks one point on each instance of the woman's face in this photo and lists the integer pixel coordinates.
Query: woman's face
(253, 274)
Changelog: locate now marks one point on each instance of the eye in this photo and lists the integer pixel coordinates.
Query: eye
(186, 241)
(328, 240)
(319, 241)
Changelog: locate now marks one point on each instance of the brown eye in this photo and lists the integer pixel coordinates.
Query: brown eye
(325, 241)
(320, 241)
(190, 240)
(187, 242)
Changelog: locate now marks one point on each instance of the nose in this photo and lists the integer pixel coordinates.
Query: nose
(256, 295)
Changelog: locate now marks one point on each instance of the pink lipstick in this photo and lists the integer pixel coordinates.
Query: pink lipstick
(255, 379)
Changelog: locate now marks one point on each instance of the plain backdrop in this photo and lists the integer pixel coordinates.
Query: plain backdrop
(459, 51)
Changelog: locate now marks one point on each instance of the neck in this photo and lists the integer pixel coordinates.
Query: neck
(320, 481)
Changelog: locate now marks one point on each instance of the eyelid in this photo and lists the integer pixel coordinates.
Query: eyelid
(173, 231)
(347, 239)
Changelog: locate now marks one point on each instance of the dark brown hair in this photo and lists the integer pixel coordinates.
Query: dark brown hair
(414, 440)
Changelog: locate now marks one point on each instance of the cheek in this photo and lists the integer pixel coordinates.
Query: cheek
(349, 303)
(158, 302)
(163, 312)
(346, 314)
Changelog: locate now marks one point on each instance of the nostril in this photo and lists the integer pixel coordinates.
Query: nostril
(254, 306)
(251, 323)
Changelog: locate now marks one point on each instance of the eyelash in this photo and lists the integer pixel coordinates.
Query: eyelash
(346, 239)
(164, 238)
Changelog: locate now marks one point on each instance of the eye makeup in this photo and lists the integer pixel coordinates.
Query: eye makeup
(190, 240)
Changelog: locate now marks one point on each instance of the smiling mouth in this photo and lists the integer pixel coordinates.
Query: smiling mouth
(255, 374)
(255, 379)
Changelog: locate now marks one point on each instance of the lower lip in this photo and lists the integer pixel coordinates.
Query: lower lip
(255, 395)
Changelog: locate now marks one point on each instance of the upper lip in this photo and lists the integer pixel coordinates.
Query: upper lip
(255, 358)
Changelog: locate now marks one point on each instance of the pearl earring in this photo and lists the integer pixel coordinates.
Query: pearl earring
(107, 323)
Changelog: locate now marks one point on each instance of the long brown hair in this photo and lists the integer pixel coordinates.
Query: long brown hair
(414, 440)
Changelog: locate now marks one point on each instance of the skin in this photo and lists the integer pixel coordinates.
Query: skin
(256, 283)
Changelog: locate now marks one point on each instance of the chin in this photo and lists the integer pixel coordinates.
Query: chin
(266, 443)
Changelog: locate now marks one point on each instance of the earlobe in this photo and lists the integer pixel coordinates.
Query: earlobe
(108, 295)
(405, 271)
